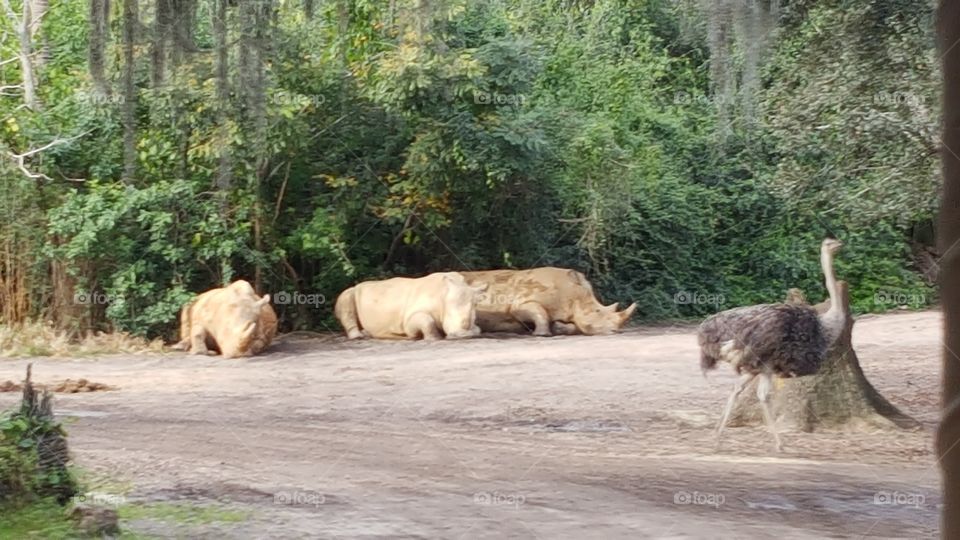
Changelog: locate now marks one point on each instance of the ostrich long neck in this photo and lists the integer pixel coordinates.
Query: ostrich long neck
(833, 319)
(826, 262)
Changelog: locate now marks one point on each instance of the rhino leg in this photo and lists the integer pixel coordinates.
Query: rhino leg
(185, 324)
(355, 333)
(198, 341)
(561, 328)
(345, 309)
(534, 313)
(422, 324)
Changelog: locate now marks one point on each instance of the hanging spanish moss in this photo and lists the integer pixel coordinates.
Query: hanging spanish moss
(173, 36)
(184, 29)
(161, 35)
(739, 35)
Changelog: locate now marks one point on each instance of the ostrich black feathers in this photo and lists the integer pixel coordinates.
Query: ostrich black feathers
(785, 339)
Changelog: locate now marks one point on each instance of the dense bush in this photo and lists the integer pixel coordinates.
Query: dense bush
(362, 141)
(33, 454)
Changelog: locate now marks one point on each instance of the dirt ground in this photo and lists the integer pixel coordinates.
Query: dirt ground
(496, 437)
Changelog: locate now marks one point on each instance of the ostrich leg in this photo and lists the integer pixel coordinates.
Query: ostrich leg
(737, 388)
(763, 394)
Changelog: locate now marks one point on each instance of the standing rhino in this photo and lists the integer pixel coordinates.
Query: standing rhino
(431, 307)
(548, 299)
(231, 319)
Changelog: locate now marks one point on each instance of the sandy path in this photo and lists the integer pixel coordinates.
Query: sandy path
(566, 437)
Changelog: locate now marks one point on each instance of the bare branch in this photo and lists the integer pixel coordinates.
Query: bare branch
(20, 158)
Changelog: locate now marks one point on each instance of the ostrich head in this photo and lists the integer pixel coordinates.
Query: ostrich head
(831, 246)
(795, 296)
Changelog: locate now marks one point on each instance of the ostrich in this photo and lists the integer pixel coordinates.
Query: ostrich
(786, 340)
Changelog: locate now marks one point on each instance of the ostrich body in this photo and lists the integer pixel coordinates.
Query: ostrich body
(767, 340)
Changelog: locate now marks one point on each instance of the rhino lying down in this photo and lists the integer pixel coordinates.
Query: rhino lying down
(431, 307)
(231, 319)
(550, 300)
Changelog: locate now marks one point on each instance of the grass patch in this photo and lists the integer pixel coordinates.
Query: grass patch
(182, 513)
(45, 519)
(38, 339)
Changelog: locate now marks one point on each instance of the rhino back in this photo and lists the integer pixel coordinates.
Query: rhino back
(558, 290)
(382, 306)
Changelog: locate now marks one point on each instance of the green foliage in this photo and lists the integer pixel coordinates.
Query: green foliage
(856, 116)
(154, 245)
(24, 477)
(452, 135)
(17, 471)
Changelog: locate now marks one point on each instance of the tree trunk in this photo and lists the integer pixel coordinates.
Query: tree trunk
(38, 9)
(130, 22)
(99, 26)
(223, 179)
(256, 20)
(26, 57)
(839, 396)
(948, 438)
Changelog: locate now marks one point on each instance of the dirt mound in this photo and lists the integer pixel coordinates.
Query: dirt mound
(68, 386)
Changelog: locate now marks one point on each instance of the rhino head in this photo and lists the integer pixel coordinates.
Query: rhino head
(594, 318)
(460, 307)
(244, 317)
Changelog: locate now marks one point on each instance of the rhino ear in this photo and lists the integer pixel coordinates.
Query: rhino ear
(481, 287)
(625, 314)
(579, 278)
(263, 301)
